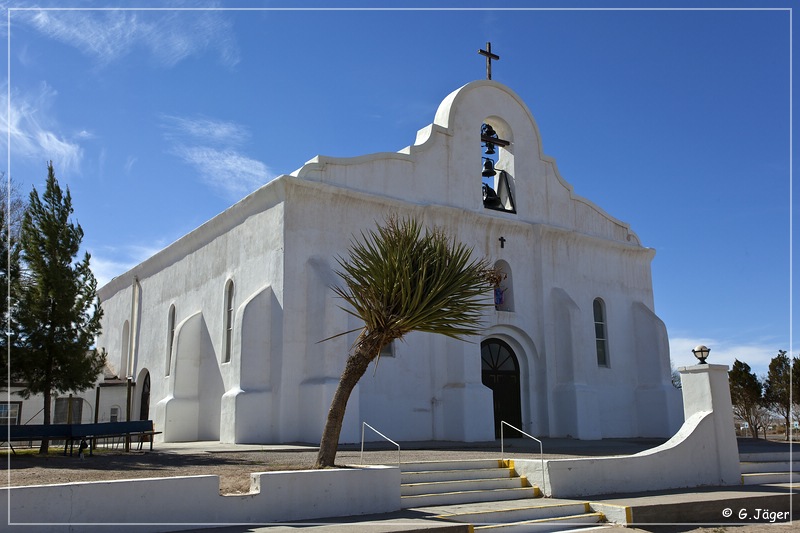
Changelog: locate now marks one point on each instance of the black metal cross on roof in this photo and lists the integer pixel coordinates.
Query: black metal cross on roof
(489, 56)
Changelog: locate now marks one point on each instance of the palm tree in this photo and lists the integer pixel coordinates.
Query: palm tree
(398, 280)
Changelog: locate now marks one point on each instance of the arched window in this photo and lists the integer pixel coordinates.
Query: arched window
(144, 409)
(228, 320)
(503, 289)
(124, 349)
(497, 163)
(170, 337)
(600, 332)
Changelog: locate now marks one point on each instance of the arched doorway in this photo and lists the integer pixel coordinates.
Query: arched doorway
(144, 410)
(500, 372)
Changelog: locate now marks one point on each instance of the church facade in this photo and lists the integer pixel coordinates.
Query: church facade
(220, 332)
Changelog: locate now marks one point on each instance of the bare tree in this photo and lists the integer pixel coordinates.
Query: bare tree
(746, 395)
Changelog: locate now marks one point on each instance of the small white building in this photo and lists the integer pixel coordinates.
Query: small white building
(220, 331)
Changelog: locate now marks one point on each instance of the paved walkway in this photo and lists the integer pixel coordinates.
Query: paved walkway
(385, 453)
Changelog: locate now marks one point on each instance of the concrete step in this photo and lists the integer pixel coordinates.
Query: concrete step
(766, 457)
(772, 466)
(462, 485)
(470, 496)
(519, 514)
(469, 464)
(562, 523)
(451, 475)
(763, 478)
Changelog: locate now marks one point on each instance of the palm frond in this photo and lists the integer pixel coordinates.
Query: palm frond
(398, 279)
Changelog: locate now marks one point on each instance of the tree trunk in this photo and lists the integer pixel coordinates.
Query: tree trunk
(355, 367)
(787, 419)
(45, 445)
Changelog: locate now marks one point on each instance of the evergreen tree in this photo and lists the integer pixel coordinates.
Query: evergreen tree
(746, 395)
(59, 314)
(778, 387)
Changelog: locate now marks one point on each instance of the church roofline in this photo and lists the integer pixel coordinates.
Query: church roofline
(442, 125)
(273, 192)
(266, 196)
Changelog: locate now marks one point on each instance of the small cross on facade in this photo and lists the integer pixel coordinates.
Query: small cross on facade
(502, 242)
(489, 56)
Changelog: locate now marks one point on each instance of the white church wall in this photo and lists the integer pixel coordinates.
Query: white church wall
(248, 406)
(111, 397)
(115, 336)
(191, 275)
(587, 268)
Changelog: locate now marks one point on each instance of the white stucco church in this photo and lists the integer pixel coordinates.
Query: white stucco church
(220, 331)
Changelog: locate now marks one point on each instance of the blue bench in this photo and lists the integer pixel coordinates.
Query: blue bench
(80, 432)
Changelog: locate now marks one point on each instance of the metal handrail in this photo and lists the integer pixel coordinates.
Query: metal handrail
(382, 435)
(34, 416)
(541, 450)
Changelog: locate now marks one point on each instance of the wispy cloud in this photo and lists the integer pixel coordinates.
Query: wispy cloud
(205, 130)
(33, 131)
(227, 171)
(213, 148)
(757, 354)
(129, 164)
(167, 36)
(109, 262)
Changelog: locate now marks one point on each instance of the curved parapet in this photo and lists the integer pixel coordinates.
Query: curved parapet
(442, 166)
(702, 453)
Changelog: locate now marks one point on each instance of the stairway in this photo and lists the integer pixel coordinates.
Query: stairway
(770, 467)
(490, 495)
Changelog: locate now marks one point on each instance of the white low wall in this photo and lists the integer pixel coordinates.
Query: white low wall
(702, 453)
(173, 504)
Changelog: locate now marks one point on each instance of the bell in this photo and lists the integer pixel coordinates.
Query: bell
(488, 131)
(490, 198)
(488, 168)
(489, 148)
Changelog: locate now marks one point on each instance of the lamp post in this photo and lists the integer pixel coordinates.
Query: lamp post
(701, 352)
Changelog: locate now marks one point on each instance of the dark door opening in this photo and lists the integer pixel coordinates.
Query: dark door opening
(144, 411)
(500, 372)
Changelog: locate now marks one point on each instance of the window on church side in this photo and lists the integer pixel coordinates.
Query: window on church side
(68, 410)
(228, 320)
(388, 350)
(600, 332)
(10, 413)
(170, 337)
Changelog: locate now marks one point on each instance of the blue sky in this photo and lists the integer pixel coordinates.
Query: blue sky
(675, 121)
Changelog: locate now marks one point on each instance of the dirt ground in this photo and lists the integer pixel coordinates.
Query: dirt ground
(233, 468)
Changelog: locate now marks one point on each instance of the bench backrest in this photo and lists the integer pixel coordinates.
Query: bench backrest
(38, 431)
(56, 431)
